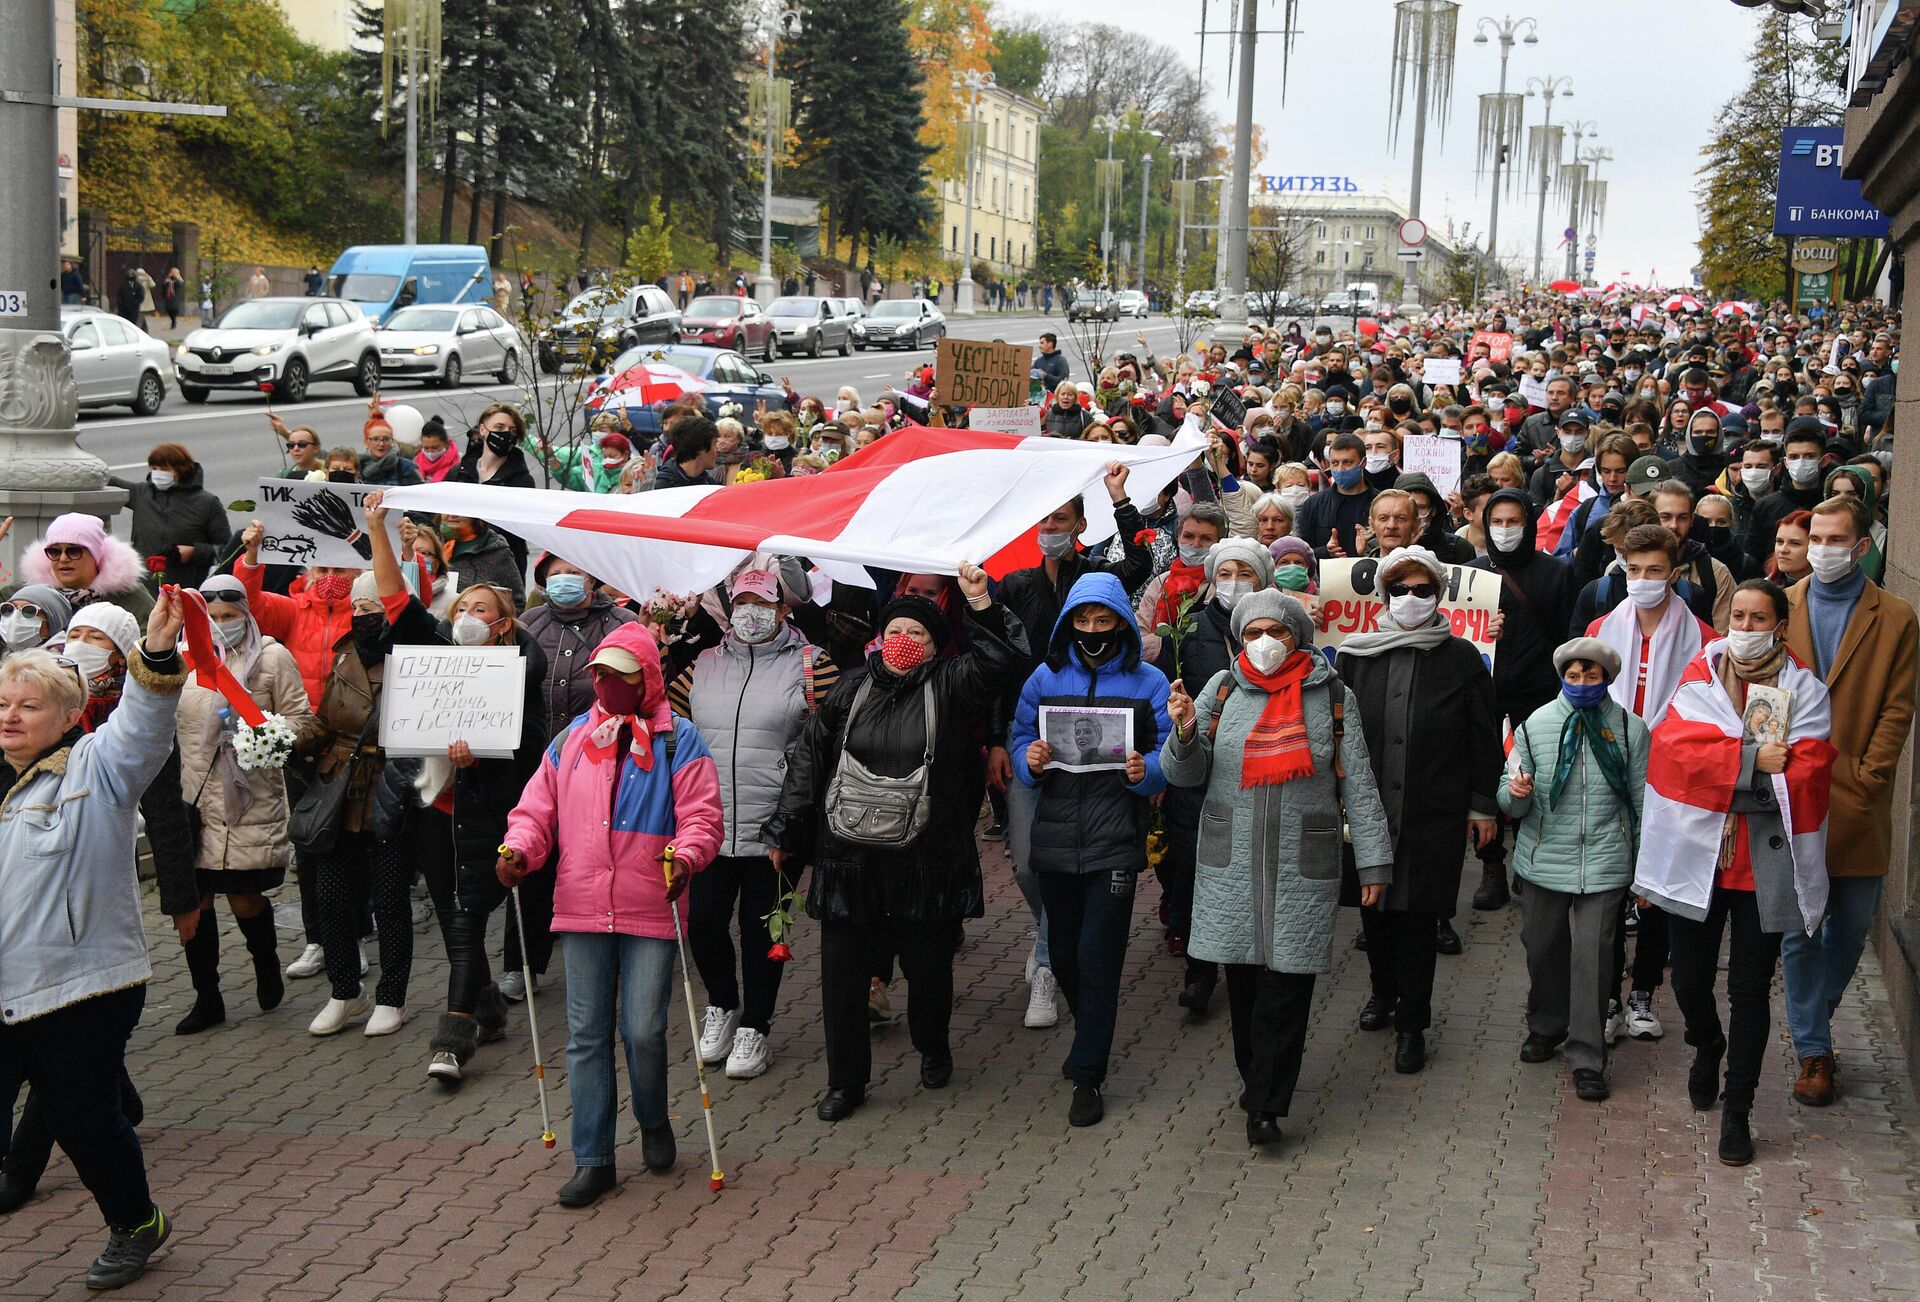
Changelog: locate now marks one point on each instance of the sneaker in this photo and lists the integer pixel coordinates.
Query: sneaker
(716, 1034)
(361, 949)
(339, 1014)
(1589, 1085)
(128, 1249)
(311, 963)
(1631, 923)
(444, 1066)
(1641, 1023)
(422, 913)
(749, 1056)
(879, 1007)
(1616, 1022)
(1042, 1011)
(994, 832)
(514, 986)
(386, 1019)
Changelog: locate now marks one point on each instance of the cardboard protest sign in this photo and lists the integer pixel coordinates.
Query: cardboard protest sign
(982, 373)
(1437, 457)
(1005, 420)
(437, 695)
(1534, 390)
(1351, 602)
(310, 523)
(1440, 370)
(1499, 344)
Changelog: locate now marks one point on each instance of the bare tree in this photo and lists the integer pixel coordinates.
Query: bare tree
(1275, 256)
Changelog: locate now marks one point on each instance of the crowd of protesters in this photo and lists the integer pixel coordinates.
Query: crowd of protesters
(1686, 728)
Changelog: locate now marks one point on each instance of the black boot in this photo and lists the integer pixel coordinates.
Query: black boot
(1445, 939)
(657, 1149)
(1376, 1014)
(490, 1014)
(588, 1183)
(1409, 1052)
(268, 985)
(1736, 1137)
(1198, 991)
(203, 961)
(1703, 1078)
(1493, 888)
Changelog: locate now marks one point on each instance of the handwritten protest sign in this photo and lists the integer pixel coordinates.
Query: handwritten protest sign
(1534, 390)
(318, 524)
(1499, 344)
(1437, 457)
(1351, 602)
(1440, 370)
(982, 373)
(435, 696)
(1005, 420)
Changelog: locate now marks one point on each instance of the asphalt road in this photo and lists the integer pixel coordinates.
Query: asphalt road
(231, 439)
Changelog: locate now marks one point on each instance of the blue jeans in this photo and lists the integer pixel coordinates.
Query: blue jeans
(640, 970)
(1022, 801)
(1818, 967)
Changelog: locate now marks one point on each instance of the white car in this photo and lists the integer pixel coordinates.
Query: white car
(1203, 302)
(1132, 303)
(115, 361)
(439, 343)
(287, 343)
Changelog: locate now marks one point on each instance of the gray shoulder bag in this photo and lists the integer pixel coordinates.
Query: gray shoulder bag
(867, 809)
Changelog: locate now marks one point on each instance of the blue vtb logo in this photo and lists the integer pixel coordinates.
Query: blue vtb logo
(1823, 155)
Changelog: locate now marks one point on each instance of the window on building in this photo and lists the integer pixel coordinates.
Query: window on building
(1026, 202)
(1320, 233)
(1320, 257)
(1368, 260)
(954, 243)
(976, 244)
(1346, 232)
(1023, 255)
(1346, 257)
(996, 192)
(992, 251)
(1369, 232)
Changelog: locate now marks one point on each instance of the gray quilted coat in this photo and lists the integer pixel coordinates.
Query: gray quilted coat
(749, 702)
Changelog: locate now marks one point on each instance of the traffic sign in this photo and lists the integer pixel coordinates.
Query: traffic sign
(1413, 231)
(1412, 255)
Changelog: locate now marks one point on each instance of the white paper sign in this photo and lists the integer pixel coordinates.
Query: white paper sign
(1351, 602)
(437, 695)
(1087, 738)
(1006, 420)
(1534, 390)
(1437, 457)
(1440, 370)
(311, 523)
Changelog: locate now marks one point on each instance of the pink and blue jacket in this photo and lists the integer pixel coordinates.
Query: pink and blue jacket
(611, 827)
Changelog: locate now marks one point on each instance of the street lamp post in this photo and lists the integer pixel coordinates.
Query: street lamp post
(1233, 297)
(1546, 88)
(1505, 31)
(1579, 128)
(1186, 151)
(974, 83)
(1109, 123)
(777, 20)
(1592, 158)
(1146, 170)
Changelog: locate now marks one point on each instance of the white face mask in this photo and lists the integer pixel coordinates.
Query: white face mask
(1294, 494)
(1054, 545)
(1750, 644)
(1229, 591)
(1803, 469)
(20, 631)
(1831, 562)
(1409, 611)
(1646, 593)
(232, 631)
(1507, 537)
(161, 479)
(1378, 462)
(468, 630)
(1574, 442)
(1336, 409)
(92, 661)
(1191, 555)
(754, 623)
(777, 442)
(1756, 478)
(1266, 653)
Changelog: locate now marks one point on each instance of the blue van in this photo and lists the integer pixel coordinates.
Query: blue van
(382, 278)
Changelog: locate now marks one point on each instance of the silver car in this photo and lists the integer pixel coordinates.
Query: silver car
(115, 361)
(902, 323)
(810, 324)
(439, 343)
(284, 344)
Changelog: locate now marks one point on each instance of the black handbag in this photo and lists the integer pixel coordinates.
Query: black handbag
(313, 824)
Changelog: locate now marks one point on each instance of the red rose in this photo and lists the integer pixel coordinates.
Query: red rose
(156, 565)
(1145, 537)
(780, 953)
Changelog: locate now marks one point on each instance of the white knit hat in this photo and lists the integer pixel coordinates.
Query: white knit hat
(116, 623)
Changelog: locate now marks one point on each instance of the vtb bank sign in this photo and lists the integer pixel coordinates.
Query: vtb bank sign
(1813, 198)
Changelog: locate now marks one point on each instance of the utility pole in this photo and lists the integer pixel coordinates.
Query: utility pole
(1233, 298)
(1186, 151)
(1109, 123)
(776, 21)
(973, 82)
(1546, 88)
(1592, 158)
(1146, 170)
(1578, 128)
(1504, 31)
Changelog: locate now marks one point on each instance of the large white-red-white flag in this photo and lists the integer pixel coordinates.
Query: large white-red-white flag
(921, 500)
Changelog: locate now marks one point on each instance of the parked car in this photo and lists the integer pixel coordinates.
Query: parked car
(439, 344)
(602, 321)
(289, 343)
(810, 324)
(1094, 305)
(902, 323)
(1203, 302)
(115, 361)
(728, 321)
(733, 379)
(1132, 302)
(856, 311)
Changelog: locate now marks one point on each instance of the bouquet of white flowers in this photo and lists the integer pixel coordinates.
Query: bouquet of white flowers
(268, 745)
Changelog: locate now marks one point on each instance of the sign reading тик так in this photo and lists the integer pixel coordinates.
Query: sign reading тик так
(982, 373)
(436, 696)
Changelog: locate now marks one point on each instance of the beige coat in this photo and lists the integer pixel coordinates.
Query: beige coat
(258, 837)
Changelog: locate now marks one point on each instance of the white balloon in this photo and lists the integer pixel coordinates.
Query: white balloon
(406, 422)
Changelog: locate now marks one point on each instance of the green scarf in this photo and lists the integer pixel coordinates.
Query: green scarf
(1590, 726)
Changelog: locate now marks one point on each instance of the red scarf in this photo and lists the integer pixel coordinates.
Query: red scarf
(1182, 579)
(1276, 747)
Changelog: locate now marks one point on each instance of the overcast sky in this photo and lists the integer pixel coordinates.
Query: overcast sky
(1648, 73)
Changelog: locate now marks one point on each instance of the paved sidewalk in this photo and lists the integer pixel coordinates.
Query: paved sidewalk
(299, 1168)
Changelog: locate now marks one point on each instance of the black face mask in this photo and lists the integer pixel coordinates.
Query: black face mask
(342, 476)
(370, 636)
(1716, 536)
(1400, 405)
(500, 444)
(1096, 647)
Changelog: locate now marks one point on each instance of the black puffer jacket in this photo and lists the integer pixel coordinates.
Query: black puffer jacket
(165, 519)
(938, 877)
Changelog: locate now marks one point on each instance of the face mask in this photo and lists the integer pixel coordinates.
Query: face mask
(1831, 563)
(1630, 374)
(1379, 462)
(232, 631)
(616, 695)
(1229, 591)
(1096, 647)
(161, 479)
(1293, 578)
(470, 630)
(20, 631)
(1755, 478)
(1349, 478)
(94, 662)
(612, 463)
(566, 589)
(1266, 653)
(1804, 470)
(331, 589)
(1409, 611)
(1506, 537)
(1584, 696)
(1191, 555)
(1748, 644)
(777, 442)
(370, 630)
(341, 477)
(754, 623)
(1400, 405)
(1055, 545)
(1704, 444)
(1336, 409)
(500, 443)
(1646, 593)
(902, 652)
(1716, 536)
(1650, 393)
(1294, 494)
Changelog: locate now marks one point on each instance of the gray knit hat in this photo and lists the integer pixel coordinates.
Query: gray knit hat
(1418, 555)
(1585, 648)
(58, 610)
(1271, 603)
(1241, 549)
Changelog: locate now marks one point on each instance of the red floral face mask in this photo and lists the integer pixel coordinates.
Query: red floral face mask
(902, 652)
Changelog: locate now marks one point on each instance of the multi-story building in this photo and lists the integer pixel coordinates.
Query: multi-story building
(1345, 236)
(1005, 185)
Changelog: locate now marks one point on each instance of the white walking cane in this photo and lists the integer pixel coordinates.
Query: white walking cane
(718, 1179)
(533, 1021)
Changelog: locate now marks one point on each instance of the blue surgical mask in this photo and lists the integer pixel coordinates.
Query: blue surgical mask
(1348, 478)
(1585, 697)
(566, 589)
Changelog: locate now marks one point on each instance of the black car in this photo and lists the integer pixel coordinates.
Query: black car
(601, 323)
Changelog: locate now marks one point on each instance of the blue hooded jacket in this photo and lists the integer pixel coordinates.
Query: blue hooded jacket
(1092, 822)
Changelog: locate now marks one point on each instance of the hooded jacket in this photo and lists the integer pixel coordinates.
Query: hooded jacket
(568, 636)
(750, 701)
(185, 514)
(1438, 539)
(1536, 598)
(306, 625)
(120, 582)
(1092, 822)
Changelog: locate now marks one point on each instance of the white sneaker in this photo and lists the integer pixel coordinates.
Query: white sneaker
(444, 1066)
(514, 986)
(422, 912)
(716, 1034)
(1042, 1011)
(1641, 1023)
(1616, 1022)
(362, 951)
(312, 962)
(749, 1056)
(386, 1019)
(339, 1014)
